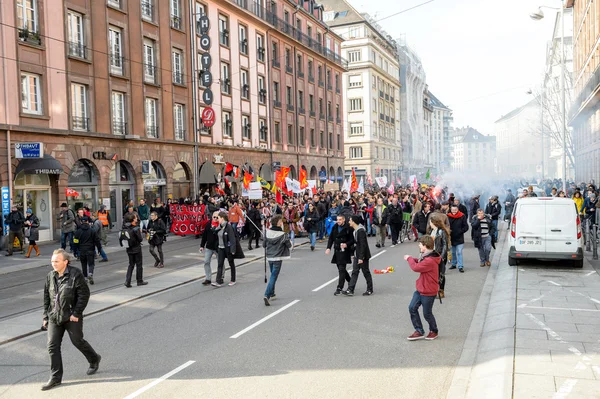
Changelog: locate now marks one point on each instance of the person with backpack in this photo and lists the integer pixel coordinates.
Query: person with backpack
(277, 244)
(86, 240)
(131, 238)
(156, 235)
(66, 218)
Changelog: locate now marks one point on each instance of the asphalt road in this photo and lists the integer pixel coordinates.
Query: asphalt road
(315, 345)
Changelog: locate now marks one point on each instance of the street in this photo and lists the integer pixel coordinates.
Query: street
(219, 343)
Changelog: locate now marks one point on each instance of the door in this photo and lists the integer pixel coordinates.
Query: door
(115, 217)
(530, 227)
(561, 227)
(39, 202)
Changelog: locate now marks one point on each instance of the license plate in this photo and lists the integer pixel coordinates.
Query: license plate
(530, 242)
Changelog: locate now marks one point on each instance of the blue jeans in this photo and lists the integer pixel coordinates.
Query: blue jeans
(102, 253)
(495, 224)
(63, 240)
(292, 235)
(313, 239)
(321, 229)
(413, 309)
(484, 249)
(275, 267)
(457, 255)
(370, 229)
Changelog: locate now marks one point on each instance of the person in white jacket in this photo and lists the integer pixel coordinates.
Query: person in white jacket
(278, 245)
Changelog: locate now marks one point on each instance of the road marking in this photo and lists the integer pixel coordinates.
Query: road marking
(245, 330)
(161, 379)
(552, 282)
(585, 296)
(590, 273)
(545, 307)
(336, 278)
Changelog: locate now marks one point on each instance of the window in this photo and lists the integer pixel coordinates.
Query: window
(321, 114)
(149, 61)
(262, 125)
(302, 138)
(79, 107)
(337, 82)
(245, 84)
(75, 31)
(355, 81)
(354, 32)
(225, 81)
(115, 3)
(243, 40)
(290, 134)
(300, 66)
(322, 139)
(116, 53)
(262, 91)
(330, 140)
(151, 115)
(177, 67)
(176, 15)
(376, 152)
(320, 74)
(223, 30)
(301, 100)
(311, 104)
(118, 113)
(275, 54)
(246, 127)
(277, 128)
(337, 112)
(356, 128)
(311, 75)
(260, 48)
(200, 10)
(276, 92)
(27, 16)
(288, 59)
(31, 94)
(148, 10)
(374, 129)
(179, 120)
(355, 104)
(312, 138)
(354, 56)
(339, 142)
(374, 82)
(289, 98)
(227, 124)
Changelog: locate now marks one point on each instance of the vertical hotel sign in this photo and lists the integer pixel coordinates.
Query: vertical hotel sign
(205, 76)
(5, 207)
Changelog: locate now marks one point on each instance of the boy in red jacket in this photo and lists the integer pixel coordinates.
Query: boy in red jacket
(427, 289)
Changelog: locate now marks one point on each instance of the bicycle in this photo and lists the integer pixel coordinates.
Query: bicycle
(406, 232)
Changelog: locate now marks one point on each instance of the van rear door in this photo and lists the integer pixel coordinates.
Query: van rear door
(530, 235)
(561, 227)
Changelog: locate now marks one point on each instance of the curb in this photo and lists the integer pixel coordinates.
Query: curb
(485, 368)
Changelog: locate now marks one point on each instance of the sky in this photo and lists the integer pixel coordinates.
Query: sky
(480, 56)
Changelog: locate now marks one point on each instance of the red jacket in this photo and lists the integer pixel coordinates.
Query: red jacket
(427, 283)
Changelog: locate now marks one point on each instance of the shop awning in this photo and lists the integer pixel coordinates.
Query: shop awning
(40, 166)
(208, 173)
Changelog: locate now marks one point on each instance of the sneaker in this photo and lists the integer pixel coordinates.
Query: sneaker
(273, 297)
(337, 292)
(91, 280)
(367, 293)
(206, 282)
(452, 267)
(460, 269)
(348, 293)
(216, 285)
(231, 283)
(103, 260)
(312, 248)
(431, 336)
(415, 336)
(378, 245)
(266, 299)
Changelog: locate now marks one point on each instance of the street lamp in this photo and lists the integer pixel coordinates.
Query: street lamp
(536, 16)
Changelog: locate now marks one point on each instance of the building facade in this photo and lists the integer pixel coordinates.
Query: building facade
(114, 90)
(585, 108)
(371, 93)
(441, 126)
(473, 153)
(427, 127)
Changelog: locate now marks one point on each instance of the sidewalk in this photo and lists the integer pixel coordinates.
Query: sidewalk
(28, 324)
(534, 334)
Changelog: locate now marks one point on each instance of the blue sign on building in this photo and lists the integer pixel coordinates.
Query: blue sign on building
(29, 150)
(5, 207)
(322, 175)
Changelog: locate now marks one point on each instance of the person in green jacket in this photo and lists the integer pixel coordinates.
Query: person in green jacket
(144, 213)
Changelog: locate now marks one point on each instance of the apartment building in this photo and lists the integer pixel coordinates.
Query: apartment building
(474, 154)
(440, 134)
(114, 91)
(585, 109)
(427, 157)
(371, 93)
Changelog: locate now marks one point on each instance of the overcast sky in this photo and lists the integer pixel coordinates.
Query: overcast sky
(480, 56)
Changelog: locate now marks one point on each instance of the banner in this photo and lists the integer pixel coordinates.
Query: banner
(254, 191)
(381, 181)
(188, 219)
(293, 185)
(361, 186)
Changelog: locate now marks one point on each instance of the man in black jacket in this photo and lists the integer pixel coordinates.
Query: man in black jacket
(209, 246)
(361, 258)
(86, 240)
(394, 220)
(458, 227)
(132, 235)
(342, 241)
(65, 297)
(421, 219)
(494, 209)
(157, 230)
(15, 221)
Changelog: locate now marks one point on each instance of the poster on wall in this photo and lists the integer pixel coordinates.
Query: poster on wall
(188, 219)
(106, 202)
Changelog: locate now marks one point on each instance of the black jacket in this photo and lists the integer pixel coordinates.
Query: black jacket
(362, 245)
(254, 215)
(394, 214)
(458, 227)
(86, 239)
(135, 242)
(322, 209)
(156, 231)
(476, 232)
(380, 220)
(345, 235)
(311, 221)
(34, 227)
(15, 221)
(73, 297)
(230, 238)
(421, 221)
(210, 240)
(493, 210)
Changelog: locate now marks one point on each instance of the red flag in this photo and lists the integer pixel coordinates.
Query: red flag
(303, 182)
(280, 176)
(279, 197)
(236, 171)
(228, 169)
(69, 192)
(247, 179)
(353, 182)
(314, 190)
(227, 187)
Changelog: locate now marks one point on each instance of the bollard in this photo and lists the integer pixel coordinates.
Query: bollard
(595, 242)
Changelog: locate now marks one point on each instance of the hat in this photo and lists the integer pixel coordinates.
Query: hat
(63, 205)
(29, 211)
(85, 219)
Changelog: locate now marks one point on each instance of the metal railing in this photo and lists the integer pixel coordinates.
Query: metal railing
(152, 131)
(77, 50)
(119, 128)
(276, 63)
(276, 103)
(25, 35)
(290, 107)
(179, 134)
(80, 123)
(178, 78)
(311, 78)
(321, 84)
(289, 69)
(150, 73)
(301, 111)
(175, 22)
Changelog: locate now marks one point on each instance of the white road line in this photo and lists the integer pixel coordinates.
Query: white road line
(552, 282)
(545, 307)
(245, 330)
(590, 273)
(336, 279)
(161, 379)
(585, 296)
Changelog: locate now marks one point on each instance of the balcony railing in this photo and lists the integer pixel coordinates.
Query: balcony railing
(178, 78)
(590, 87)
(311, 78)
(179, 134)
(330, 118)
(276, 63)
(25, 35)
(289, 69)
(80, 123)
(290, 107)
(152, 131)
(119, 128)
(329, 86)
(300, 74)
(245, 91)
(301, 111)
(321, 116)
(77, 50)
(321, 84)
(262, 96)
(338, 120)
(175, 22)
(277, 104)
(150, 73)
(244, 46)
(311, 113)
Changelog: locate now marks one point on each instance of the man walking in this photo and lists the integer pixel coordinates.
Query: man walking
(144, 213)
(131, 238)
(361, 258)
(380, 216)
(66, 296)
(104, 217)
(97, 227)
(209, 246)
(86, 240)
(494, 209)
(277, 244)
(395, 219)
(421, 219)
(156, 236)
(458, 227)
(66, 218)
(342, 241)
(483, 236)
(15, 221)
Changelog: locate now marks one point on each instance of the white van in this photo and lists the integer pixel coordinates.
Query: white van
(545, 228)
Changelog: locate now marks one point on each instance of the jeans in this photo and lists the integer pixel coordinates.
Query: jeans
(356, 268)
(380, 232)
(313, 239)
(208, 254)
(457, 255)
(292, 235)
(87, 263)
(495, 224)
(158, 258)
(55, 336)
(275, 267)
(484, 249)
(144, 224)
(223, 254)
(63, 240)
(343, 276)
(321, 229)
(370, 228)
(413, 309)
(102, 253)
(135, 260)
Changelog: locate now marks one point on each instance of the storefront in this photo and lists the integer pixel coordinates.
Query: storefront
(83, 180)
(155, 181)
(182, 184)
(122, 190)
(207, 178)
(33, 183)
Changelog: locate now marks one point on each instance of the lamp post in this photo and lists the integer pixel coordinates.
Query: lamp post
(538, 15)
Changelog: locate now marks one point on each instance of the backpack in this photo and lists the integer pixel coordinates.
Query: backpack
(127, 238)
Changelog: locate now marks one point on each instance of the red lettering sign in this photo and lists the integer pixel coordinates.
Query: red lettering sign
(208, 117)
(187, 219)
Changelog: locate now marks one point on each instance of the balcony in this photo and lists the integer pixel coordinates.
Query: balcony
(25, 35)
(300, 74)
(338, 120)
(311, 78)
(289, 69)
(276, 63)
(80, 123)
(152, 131)
(290, 107)
(178, 78)
(179, 134)
(311, 113)
(337, 89)
(276, 104)
(321, 84)
(262, 96)
(78, 50)
(330, 118)
(260, 54)
(585, 98)
(150, 73)
(301, 111)
(176, 22)
(329, 86)
(119, 128)
(321, 116)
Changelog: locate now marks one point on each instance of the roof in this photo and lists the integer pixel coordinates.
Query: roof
(436, 102)
(517, 111)
(471, 135)
(344, 13)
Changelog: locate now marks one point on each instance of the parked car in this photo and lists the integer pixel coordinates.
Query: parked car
(545, 228)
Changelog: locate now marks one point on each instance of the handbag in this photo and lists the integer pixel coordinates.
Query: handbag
(27, 232)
